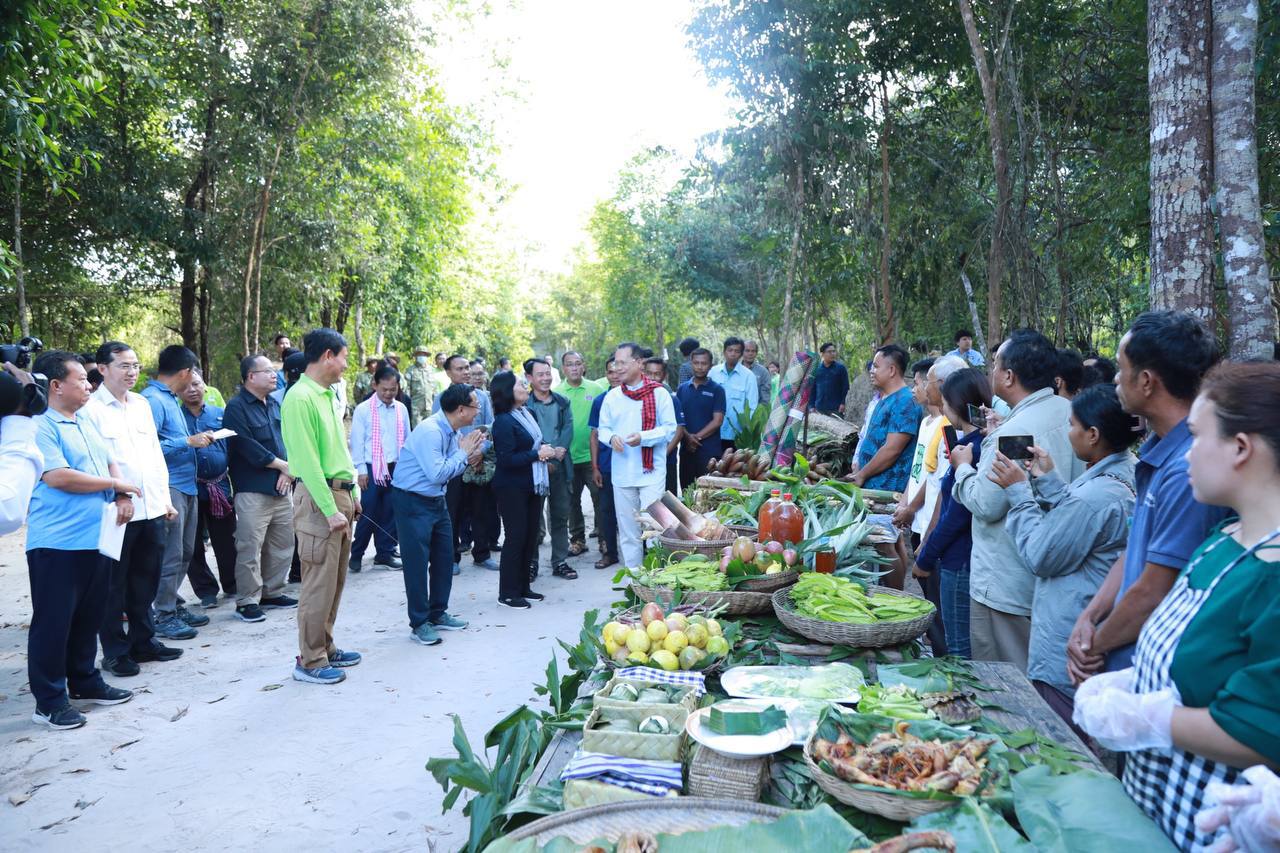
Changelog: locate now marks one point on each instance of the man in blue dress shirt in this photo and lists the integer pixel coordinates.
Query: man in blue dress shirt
(433, 455)
(741, 390)
(964, 349)
(174, 369)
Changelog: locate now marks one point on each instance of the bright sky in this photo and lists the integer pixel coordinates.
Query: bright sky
(597, 81)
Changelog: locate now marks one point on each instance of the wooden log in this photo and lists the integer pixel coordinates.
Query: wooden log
(838, 427)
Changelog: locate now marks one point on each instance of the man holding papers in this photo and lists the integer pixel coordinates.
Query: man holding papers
(69, 576)
(124, 420)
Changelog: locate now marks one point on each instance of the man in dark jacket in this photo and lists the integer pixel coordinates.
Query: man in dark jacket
(555, 418)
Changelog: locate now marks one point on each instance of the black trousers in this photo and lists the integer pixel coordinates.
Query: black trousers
(131, 587)
(521, 514)
(457, 514)
(931, 586)
(673, 485)
(222, 535)
(68, 598)
(478, 509)
(607, 521)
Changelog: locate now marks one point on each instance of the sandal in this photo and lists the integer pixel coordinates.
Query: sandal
(577, 549)
(563, 571)
(606, 562)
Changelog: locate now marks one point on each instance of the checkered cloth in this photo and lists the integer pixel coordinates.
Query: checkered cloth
(662, 676)
(656, 778)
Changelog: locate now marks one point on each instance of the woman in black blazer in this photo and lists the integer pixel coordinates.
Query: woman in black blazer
(520, 485)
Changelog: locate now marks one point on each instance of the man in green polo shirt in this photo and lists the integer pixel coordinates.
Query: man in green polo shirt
(324, 505)
(580, 393)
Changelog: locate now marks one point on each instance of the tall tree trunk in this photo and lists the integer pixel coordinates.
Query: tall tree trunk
(979, 339)
(793, 260)
(1000, 163)
(1235, 162)
(358, 322)
(19, 273)
(889, 331)
(1181, 152)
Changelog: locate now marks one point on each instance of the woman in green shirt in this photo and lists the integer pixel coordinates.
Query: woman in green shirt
(1202, 700)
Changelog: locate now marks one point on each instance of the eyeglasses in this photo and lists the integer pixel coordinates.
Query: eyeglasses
(128, 366)
(265, 370)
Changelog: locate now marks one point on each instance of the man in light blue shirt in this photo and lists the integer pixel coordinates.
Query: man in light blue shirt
(433, 455)
(741, 390)
(173, 374)
(68, 575)
(473, 511)
(964, 349)
(375, 462)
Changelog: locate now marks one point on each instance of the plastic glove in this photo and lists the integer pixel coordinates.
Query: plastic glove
(1124, 721)
(1120, 680)
(1251, 813)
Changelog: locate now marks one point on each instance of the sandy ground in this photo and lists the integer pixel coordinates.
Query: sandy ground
(222, 750)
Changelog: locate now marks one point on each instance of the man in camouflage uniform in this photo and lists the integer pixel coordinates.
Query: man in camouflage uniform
(420, 385)
(364, 382)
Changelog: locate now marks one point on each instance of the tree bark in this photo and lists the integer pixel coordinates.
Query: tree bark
(999, 162)
(979, 339)
(1181, 155)
(1235, 161)
(889, 331)
(19, 274)
(793, 259)
(1060, 248)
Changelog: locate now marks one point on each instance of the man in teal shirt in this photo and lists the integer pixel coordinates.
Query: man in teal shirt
(580, 392)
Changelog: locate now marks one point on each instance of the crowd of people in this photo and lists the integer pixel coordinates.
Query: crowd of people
(1112, 528)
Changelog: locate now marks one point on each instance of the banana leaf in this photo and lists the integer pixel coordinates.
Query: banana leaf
(863, 727)
(976, 829)
(1082, 812)
(818, 831)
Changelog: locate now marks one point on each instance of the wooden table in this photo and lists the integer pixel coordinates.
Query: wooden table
(1005, 685)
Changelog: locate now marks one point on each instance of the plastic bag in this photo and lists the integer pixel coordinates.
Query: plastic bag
(1249, 812)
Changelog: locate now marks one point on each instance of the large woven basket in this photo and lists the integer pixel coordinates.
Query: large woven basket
(706, 547)
(770, 583)
(735, 602)
(892, 806)
(669, 816)
(651, 747)
(873, 636)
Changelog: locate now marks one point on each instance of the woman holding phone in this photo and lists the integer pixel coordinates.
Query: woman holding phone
(948, 547)
(1069, 535)
(520, 484)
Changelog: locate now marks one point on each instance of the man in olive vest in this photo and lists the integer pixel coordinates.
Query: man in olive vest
(421, 385)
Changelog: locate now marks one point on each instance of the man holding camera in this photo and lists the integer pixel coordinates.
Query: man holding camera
(124, 420)
(20, 461)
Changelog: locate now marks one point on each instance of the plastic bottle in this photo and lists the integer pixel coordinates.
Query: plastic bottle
(764, 518)
(788, 522)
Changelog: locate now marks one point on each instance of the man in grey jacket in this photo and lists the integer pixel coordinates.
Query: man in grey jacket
(555, 418)
(1000, 584)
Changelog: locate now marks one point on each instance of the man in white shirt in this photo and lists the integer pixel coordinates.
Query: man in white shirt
(636, 422)
(21, 462)
(129, 431)
(379, 427)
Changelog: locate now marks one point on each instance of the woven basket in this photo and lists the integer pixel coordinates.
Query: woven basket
(735, 602)
(892, 806)
(668, 815)
(873, 636)
(770, 583)
(714, 775)
(689, 701)
(706, 547)
(668, 747)
(744, 530)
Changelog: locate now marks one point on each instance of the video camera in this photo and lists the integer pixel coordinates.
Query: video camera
(19, 354)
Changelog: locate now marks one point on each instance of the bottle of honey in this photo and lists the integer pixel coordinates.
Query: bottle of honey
(764, 518)
(787, 524)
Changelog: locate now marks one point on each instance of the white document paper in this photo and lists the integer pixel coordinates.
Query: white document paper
(219, 434)
(110, 534)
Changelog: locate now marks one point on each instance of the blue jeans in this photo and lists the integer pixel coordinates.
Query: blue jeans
(375, 508)
(955, 608)
(427, 552)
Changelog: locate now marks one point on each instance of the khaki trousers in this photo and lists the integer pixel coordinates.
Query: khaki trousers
(998, 636)
(264, 546)
(323, 555)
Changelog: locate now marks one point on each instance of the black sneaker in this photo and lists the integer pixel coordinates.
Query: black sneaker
(278, 602)
(195, 620)
(121, 667)
(250, 613)
(102, 694)
(514, 603)
(534, 596)
(353, 566)
(209, 601)
(156, 651)
(65, 717)
(389, 562)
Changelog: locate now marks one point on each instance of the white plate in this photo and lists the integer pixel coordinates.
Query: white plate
(736, 746)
